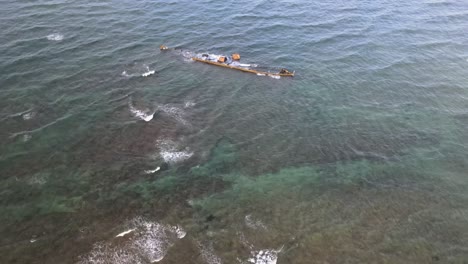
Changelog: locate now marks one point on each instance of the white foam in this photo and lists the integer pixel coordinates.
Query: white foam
(244, 241)
(275, 77)
(138, 71)
(260, 74)
(152, 171)
(148, 72)
(32, 240)
(143, 115)
(156, 238)
(20, 113)
(26, 137)
(151, 241)
(253, 223)
(211, 56)
(188, 54)
(189, 104)
(181, 233)
(125, 74)
(174, 112)
(28, 115)
(175, 156)
(266, 256)
(170, 153)
(190, 202)
(104, 253)
(208, 254)
(125, 232)
(37, 180)
(55, 37)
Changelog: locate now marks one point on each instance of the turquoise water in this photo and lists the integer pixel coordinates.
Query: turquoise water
(360, 158)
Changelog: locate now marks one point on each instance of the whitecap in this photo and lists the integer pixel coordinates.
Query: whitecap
(143, 115)
(266, 256)
(28, 115)
(189, 104)
(125, 74)
(170, 153)
(20, 113)
(125, 232)
(152, 171)
(55, 37)
(175, 156)
(148, 72)
(275, 77)
(137, 70)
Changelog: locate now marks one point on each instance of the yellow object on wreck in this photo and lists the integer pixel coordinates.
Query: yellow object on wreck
(233, 63)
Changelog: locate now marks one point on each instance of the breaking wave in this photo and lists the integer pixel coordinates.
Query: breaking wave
(55, 37)
(263, 256)
(138, 71)
(152, 171)
(148, 72)
(28, 115)
(143, 115)
(145, 240)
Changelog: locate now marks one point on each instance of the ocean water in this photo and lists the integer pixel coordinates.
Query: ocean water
(112, 151)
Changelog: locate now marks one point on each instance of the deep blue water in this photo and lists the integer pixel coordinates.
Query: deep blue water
(359, 158)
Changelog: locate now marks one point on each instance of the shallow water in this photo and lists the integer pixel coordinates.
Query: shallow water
(360, 158)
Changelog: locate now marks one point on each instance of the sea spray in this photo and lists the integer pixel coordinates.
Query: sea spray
(143, 115)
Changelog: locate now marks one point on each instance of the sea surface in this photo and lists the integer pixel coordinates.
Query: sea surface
(112, 151)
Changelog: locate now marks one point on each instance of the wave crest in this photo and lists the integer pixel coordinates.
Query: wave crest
(55, 37)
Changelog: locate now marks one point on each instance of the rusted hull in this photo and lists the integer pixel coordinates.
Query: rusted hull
(244, 69)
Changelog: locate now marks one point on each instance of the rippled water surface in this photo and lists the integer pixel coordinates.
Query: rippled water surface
(112, 151)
